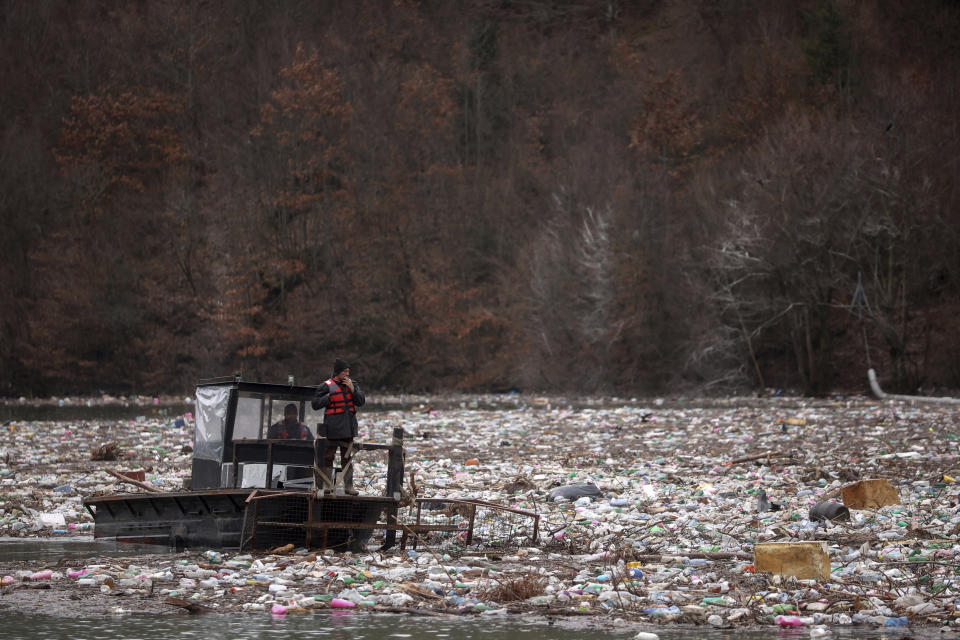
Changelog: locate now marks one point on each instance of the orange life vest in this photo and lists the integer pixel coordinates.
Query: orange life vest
(341, 399)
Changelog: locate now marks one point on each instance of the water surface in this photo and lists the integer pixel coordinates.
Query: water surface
(51, 550)
(348, 625)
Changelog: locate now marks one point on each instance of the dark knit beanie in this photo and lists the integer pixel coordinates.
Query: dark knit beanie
(339, 365)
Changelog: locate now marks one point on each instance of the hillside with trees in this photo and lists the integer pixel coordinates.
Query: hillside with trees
(565, 195)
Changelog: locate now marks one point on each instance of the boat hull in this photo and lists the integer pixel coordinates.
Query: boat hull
(233, 519)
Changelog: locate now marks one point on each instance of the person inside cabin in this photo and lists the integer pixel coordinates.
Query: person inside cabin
(290, 428)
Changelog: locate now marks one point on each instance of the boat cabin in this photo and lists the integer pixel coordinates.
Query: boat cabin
(231, 449)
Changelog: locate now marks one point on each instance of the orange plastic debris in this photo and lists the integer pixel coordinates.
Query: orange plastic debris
(870, 494)
(800, 559)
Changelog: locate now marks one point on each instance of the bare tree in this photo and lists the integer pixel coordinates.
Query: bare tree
(571, 315)
(817, 205)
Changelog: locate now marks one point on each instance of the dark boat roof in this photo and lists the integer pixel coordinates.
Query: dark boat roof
(259, 387)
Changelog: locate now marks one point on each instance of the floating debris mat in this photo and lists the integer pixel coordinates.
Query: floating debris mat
(469, 523)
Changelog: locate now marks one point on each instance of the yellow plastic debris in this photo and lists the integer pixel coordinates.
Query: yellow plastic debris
(803, 560)
(870, 494)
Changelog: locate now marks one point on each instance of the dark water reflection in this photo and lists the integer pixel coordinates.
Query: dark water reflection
(52, 550)
(70, 413)
(333, 625)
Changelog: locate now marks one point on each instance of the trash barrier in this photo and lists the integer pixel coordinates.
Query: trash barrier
(273, 520)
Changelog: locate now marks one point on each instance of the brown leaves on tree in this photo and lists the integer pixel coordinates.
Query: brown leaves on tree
(121, 141)
(306, 121)
(667, 129)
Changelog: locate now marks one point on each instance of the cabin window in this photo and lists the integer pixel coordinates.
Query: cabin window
(256, 412)
(313, 418)
(304, 412)
(249, 418)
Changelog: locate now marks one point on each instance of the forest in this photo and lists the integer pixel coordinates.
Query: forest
(595, 196)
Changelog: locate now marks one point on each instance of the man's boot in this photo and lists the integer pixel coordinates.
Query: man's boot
(348, 480)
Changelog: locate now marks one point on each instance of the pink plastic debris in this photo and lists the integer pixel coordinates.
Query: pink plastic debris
(789, 621)
(278, 610)
(342, 604)
(42, 575)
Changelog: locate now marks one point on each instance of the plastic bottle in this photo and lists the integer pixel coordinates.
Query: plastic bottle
(337, 603)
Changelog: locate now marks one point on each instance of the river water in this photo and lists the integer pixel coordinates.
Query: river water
(335, 625)
(46, 549)
(348, 625)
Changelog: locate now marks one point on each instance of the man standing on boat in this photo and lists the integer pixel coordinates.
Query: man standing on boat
(339, 396)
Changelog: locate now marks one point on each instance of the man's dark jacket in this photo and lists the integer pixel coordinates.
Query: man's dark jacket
(338, 426)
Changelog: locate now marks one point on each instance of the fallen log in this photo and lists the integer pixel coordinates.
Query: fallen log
(882, 395)
(414, 590)
(136, 483)
(30, 585)
(757, 456)
(191, 607)
(699, 555)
